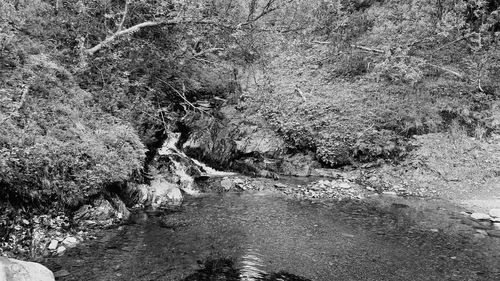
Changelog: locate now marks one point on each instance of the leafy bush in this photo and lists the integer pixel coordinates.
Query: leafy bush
(55, 148)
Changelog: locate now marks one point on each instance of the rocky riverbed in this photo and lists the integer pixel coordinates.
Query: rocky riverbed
(258, 228)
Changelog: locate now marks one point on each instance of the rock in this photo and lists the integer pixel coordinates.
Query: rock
(227, 184)
(61, 273)
(481, 231)
(494, 233)
(136, 194)
(299, 165)
(70, 242)
(344, 185)
(264, 142)
(60, 250)
(16, 270)
(390, 193)
(53, 244)
(480, 216)
(496, 225)
(476, 224)
(280, 186)
(495, 213)
(122, 211)
(100, 212)
(165, 193)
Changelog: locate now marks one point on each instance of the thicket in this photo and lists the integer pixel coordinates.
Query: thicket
(357, 79)
(86, 86)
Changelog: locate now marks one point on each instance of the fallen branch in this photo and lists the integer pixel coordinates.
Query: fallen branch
(210, 50)
(301, 94)
(368, 49)
(457, 74)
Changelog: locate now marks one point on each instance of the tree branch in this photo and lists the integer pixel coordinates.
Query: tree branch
(369, 49)
(120, 27)
(139, 26)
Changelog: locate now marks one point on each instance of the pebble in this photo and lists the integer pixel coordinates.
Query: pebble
(280, 185)
(480, 216)
(482, 231)
(390, 193)
(344, 185)
(53, 245)
(61, 273)
(61, 250)
(495, 213)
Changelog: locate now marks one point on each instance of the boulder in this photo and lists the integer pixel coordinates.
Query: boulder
(480, 216)
(101, 212)
(300, 165)
(16, 270)
(137, 194)
(122, 211)
(256, 140)
(165, 193)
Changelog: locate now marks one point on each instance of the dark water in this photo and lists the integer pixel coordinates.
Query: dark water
(262, 236)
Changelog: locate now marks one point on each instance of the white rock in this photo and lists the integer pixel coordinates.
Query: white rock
(227, 184)
(496, 225)
(61, 249)
(16, 270)
(482, 231)
(480, 216)
(53, 244)
(495, 213)
(70, 242)
(390, 193)
(344, 185)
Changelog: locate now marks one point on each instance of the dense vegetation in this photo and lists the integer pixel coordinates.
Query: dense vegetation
(87, 86)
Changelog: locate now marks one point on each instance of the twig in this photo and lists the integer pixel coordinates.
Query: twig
(459, 75)
(210, 50)
(368, 49)
(120, 26)
(321, 42)
(301, 94)
(181, 95)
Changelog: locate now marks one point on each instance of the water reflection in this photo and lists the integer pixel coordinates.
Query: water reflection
(225, 270)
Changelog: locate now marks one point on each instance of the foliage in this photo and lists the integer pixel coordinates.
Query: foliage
(56, 147)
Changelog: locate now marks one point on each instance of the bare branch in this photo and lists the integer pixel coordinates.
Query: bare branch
(210, 50)
(301, 94)
(459, 75)
(368, 49)
(120, 27)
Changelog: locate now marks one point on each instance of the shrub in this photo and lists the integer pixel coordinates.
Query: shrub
(54, 147)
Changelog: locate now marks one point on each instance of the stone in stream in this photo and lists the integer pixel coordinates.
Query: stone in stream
(495, 213)
(70, 242)
(494, 233)
(53, 244)
(480, 216)
(227, 184)
(280, 185)
(17, 270)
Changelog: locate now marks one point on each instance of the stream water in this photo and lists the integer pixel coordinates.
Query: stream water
(265, 236)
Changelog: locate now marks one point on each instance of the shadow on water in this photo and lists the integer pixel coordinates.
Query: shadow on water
(225, 270)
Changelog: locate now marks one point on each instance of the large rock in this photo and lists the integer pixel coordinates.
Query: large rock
(165, 193)
(16, 270)
(100, 212)
(298, 165)
(255, 140)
